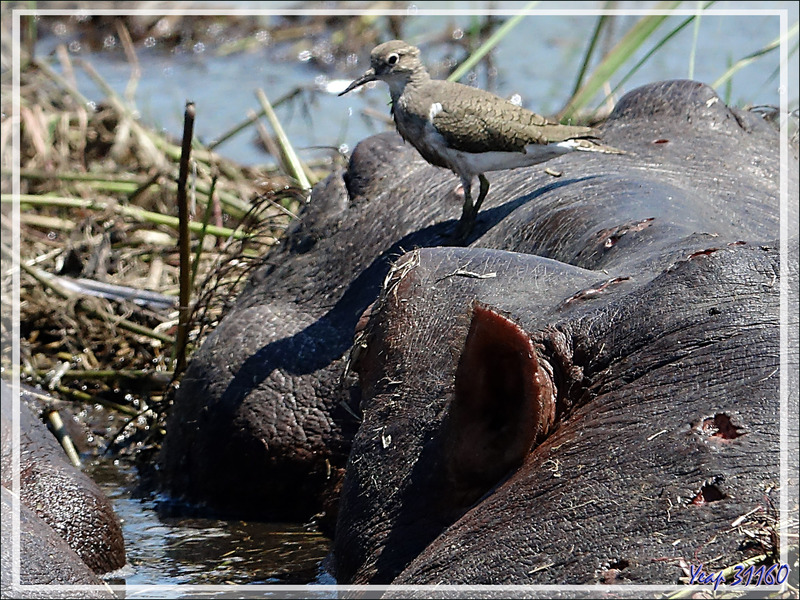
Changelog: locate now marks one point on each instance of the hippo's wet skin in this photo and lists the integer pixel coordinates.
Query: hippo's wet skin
(262, 424)
(68, 528)
(601, 418)
(648, 441)
(257, 428)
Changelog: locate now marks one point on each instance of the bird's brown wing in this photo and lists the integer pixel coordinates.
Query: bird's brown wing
(475, 120)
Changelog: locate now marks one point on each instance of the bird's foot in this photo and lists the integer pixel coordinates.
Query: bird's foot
(464, 227)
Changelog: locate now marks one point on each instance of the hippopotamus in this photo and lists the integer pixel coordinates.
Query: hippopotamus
(572, 427)
(257, 428)
(265, 415)
(69, 532)
(589, 393)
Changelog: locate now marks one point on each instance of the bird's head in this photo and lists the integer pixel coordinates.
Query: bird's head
(393, 62)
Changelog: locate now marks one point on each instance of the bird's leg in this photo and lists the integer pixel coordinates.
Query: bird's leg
(467, 220)
(466, 183)
(482, 194)
(470, 212)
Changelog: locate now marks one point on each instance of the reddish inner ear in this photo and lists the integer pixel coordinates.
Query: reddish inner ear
(503, 404)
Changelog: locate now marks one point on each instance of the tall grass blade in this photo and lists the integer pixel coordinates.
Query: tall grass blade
(495, 38)
(743, 62)
(298, 172)
(133, 212)
(618, 55)
(695, 37)
(184, 241)
(598, 29)
(647, 56)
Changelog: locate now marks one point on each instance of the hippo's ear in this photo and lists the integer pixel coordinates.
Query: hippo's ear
(504, 402)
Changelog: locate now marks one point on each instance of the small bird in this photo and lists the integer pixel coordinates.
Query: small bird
(465, 129)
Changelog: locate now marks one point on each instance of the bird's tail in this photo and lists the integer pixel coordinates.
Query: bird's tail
(590, 145)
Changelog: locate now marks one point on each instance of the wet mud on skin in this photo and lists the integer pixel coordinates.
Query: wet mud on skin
(178, 550)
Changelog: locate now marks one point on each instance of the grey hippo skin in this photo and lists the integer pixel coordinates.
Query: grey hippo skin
(589, 394)
(46, 559)
(260, 425)
(69, 530)
(257, 428)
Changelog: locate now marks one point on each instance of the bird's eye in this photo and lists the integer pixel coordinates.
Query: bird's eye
(392, 59)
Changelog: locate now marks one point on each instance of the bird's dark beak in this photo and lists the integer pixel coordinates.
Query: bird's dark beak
(365, 78)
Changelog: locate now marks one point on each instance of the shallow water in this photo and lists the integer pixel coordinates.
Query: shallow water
(169, 550)
(537, 61)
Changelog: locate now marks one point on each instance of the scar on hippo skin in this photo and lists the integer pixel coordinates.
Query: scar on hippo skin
(709, 251)
(720, 428)
(593, 292)
(504, 403)
(709, 492)
(612, 572)
(606, 239)
(706, 252)
(612, 236)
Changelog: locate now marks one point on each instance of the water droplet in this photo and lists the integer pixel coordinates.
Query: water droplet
(304, 56)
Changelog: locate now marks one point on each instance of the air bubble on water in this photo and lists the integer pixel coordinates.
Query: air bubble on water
(199, 48)
(162, 28)
(304, 56)
(516, 99)
(149, 41)
(74, 46)
(109, 42)
(458, 33)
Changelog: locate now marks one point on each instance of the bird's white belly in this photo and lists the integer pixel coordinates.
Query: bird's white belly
(471, 163)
